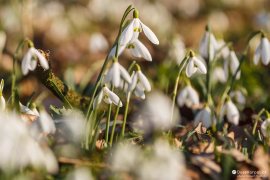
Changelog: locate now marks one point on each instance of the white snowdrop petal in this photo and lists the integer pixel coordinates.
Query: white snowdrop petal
(42, 60)
(144, 81)
(112, 53)
(98, 99)
(127, 34)
(203, 47)
(134, 81)
(232, 113)
(142, 50)
(265, 50)
(203, 116)
(112, 96)
(115, 74)
(47, 123)
(149, 34)
(125, 75)
(234, 62)
(108, 76)
(139, 92)
(2, 103)
(181, 98)
(200, 65)
(257, 55)
(193, 95)
(190, 69)
(32, 65)
(135, 52)
(25, 62)
(265, 128)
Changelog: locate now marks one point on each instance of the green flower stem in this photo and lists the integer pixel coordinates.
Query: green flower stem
(181, 67)
(256, 121)
(125, 115)
(114, 124)
(108, 121)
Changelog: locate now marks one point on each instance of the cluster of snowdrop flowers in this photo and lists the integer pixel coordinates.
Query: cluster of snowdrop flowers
(262, 52)
(231, 112)
(30, 59)
(2, 99)
(19, 149)
(161, 161)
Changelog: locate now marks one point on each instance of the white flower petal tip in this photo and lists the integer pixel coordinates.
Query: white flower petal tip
(149, 34)
(208, 46)
(139, 50)
(188, 96)
(230, 110)
(262, 52)
(29, 61)
(265, 128)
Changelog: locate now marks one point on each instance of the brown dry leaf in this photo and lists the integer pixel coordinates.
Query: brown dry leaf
(178, 143)
(100, 144)
(200, 129)
(29, 118)
(261, 160)
(231, 135)
(207, 165)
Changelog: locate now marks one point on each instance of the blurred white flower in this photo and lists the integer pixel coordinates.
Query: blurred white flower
(131, 32)
(140, 83)
(225, 51)
(98, 43)
(231, 64)
(28, 111)
(80, 173)
(29, 61)
(19, 150)
(238, 96)
(108, 96)
(194, 65)
(204, 116)
(125, 157)
(231, 112)
(3, 38)
(189, 8)
(115, 73)
(265, 128)
(2, 99)
(262, 52)
(218, 21)
(162, 163)
(188, 96)
(208, 45)
(47, 123)
(219, 75)
(154, 114)
(177, 50)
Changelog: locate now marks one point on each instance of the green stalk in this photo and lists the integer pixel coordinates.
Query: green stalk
(181, 67)
(125, 115)
(114, 124)
(108, 121)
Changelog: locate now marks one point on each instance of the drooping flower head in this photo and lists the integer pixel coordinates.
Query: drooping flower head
(231, 64)
(133, 29)
(230, 110)
(108, 97)
(30, 59)
(208, 45)
(194, 65)
(115, 73)
(262, 51)
(265, 128)
(139, 83)
(204, 116)
(188, 96)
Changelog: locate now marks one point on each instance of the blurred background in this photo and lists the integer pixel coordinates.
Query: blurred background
(78, 34)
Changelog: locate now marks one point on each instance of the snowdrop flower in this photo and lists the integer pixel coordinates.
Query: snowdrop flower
(97, 43)
(262, 51)
(108, 96)
(265, 128)
(139, 50)
(231, 112)
(2, 99)
(194, 65)
(47, 123)
(3, 38)
(140, 83)
(80, 173)
(133, 29)
(178, 50)
(115, 73)
(239, 97)
(204, 116)
(188, 96)
(231, 64)
(154, 114)
(29, 62)
(225, 51)
(208, 45)
(28, 111)
(219, 75)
